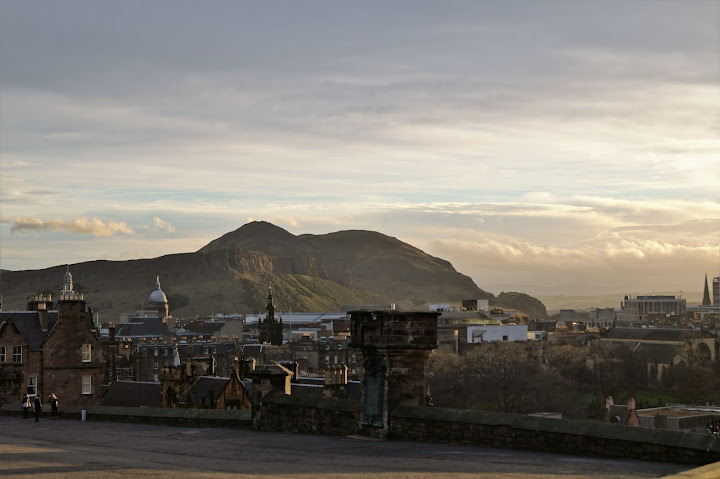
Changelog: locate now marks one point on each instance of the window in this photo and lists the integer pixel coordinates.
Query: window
(352, 359)
(327, 359)
(155, 365)
(87, 384)
(165, 351)
(17, 354)
(2, 354)
(505, 338)
(156, 351)
(206, 350)
(86, 353)
(32, 385)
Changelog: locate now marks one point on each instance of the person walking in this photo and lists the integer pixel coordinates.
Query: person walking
(38, 408)
(54, 405)
(26, 406)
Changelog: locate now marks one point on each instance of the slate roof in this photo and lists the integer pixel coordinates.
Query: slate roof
(232, 328)
(314, 387)
(662, 353)
(253, 350)
(193, 350)
(133, 394)
(654, 334)
(28, 325)
(148, 327)
(205, 387)
(274, 369)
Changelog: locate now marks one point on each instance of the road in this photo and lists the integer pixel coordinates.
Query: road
(70, 448)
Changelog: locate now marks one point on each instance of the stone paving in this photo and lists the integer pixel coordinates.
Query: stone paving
(70, 448)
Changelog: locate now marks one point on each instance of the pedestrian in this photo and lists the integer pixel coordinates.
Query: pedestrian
(26, 406)
(54, 404)
(38, 408)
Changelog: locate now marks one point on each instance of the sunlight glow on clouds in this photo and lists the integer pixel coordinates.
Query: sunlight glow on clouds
(556, 146)
(92, 226)
(163, 225)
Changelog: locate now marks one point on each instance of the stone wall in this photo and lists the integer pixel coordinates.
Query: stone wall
(332, 416)
(557, 435)
(148, 415)
(313, 415)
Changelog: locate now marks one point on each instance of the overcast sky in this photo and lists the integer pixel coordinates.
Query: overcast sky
(544, 147)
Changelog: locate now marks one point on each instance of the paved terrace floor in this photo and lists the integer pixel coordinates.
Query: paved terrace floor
(76, 449)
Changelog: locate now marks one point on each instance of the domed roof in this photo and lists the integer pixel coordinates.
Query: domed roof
(157, 296)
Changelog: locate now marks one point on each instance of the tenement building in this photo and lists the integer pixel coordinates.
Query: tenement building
(45, 351)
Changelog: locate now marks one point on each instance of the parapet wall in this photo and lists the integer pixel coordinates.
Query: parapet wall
(332, 416)
(148, 415)
(313, 415)
(425, 424)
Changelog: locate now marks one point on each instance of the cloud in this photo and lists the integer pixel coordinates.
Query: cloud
(92, 226)
(160, 224)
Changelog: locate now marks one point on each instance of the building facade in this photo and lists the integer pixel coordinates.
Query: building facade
(641, 308)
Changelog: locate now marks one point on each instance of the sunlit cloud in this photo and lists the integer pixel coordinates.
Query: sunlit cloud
(160, 224)
(92, 226)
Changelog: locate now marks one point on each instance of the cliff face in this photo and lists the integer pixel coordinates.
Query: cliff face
(232, 273)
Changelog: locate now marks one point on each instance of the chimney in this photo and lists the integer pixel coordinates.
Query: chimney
(43, 316)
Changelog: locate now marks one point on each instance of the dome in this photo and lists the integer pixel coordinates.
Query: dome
(157, 296)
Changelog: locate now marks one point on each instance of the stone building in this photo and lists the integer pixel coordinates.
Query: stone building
(663, 348)
(641, 308)
(44, 350)
(180, 388)
(315, 356)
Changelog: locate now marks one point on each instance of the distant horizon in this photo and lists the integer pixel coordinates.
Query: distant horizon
(542, 147)
(585, 300)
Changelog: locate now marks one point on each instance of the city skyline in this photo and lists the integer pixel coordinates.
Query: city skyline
(548, 148)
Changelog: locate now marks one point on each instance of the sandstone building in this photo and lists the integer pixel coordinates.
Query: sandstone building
(44, 350)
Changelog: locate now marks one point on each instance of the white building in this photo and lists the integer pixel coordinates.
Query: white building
(499, 332)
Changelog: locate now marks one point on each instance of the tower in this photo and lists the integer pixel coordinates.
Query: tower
(271, 330)
(706, 294)
(67, 293)
(716, 291)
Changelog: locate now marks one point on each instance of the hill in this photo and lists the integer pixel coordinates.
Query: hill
(232, 273)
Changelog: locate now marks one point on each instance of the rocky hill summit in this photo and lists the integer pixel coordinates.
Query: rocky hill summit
(232, 273)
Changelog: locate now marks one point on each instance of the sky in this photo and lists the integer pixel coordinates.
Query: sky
(547, 147)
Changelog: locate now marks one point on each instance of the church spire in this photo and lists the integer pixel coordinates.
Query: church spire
(706, 294)
(270, 307)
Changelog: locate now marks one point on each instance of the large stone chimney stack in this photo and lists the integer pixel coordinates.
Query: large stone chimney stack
(396, 345)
